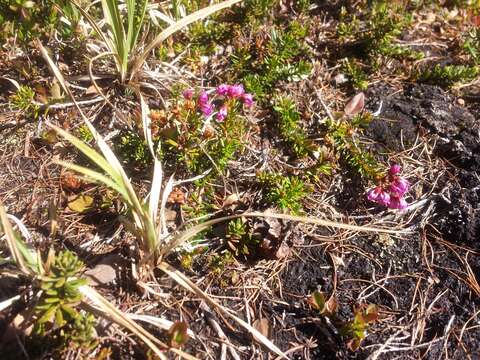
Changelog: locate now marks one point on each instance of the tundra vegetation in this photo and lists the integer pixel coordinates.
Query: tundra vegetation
(239, 179)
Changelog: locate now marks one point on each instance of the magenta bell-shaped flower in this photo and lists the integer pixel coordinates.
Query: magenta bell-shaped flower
(236, 91)
(383, 198)
(399, 186)
(373, 194)
(222, 113)
(206, 109)
(247, 99)
(203, 98)
(397, 202)
(223, 89)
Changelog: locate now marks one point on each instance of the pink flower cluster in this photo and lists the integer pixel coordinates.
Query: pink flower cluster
(390, 193)
(207, 107)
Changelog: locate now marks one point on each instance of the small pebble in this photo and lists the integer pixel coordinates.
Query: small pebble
(340, 79)
(460, 102)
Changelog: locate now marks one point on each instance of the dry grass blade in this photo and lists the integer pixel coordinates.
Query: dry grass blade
(172, 29)
(110, 311)
(163, 324)
(189, 233)
(7, 303)
(53, 67)
(184, 281)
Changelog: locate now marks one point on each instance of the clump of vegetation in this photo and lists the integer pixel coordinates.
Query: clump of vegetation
(290, 129)
(449, 75)
(343, 136)
(57, 313)
(357, 77)
(375, 29)
(355, 330)
(204, 130)
(23, 100)
(29, 20)
(370, 34)
(471, 45)
(133, 149)
(264, 63)
(286, 192)
(239, 238)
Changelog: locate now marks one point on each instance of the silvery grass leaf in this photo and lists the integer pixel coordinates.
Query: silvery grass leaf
(7, 303)
(116, 179)
(21, 255)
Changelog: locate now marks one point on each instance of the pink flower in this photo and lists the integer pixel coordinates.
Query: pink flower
(236, 90)
(223, 89)
(394, 169)
(203, 98)
(188, 94)
(206, 109)
(379, 196)
(373, 194)
(247, 99)
(222, 113)
(384, 198)
(399, 186)
(397, 202)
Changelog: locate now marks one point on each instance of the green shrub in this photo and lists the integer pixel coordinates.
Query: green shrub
(448, 75)
(57, 308)
(286, 192)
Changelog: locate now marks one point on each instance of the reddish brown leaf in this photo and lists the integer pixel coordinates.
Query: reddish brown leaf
(178, 334)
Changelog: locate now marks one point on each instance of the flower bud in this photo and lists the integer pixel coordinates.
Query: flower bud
(188, 94)
(203, 98)
(394, 169)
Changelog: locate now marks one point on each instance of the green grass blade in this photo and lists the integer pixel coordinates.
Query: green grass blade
(97, 158)
(130, 22)
(117, 30)
(19, 253)
(136, 13)
(96, 176)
